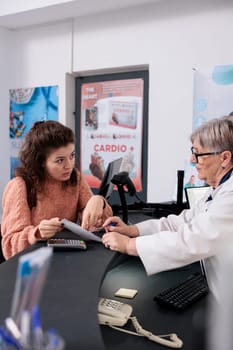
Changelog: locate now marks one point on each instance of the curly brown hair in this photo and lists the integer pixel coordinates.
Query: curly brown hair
(40, 140)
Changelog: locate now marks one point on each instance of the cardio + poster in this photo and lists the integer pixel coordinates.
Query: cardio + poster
(111, 128)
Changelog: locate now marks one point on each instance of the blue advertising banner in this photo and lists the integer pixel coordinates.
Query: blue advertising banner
(28, 105)
(213, 98)
(213, 93)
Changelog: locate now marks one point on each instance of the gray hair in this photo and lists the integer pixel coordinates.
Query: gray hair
(216, 134)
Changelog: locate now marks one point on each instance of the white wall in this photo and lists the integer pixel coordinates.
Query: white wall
(12, 6)
(172, 41)
(172, 37)
(6, 77)
(43, 56)
(32, 57)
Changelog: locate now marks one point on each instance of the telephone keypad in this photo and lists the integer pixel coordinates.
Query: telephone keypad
(112, 304)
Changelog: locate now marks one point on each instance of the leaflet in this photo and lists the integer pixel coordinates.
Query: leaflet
(81, 232)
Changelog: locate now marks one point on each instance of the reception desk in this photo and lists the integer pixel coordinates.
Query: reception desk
(75, 281)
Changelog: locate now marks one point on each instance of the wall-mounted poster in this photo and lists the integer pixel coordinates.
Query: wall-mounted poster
(213, 92)
(213, 98)
(28, 105)
(111, 125)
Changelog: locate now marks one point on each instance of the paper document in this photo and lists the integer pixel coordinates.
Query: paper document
(81, 232)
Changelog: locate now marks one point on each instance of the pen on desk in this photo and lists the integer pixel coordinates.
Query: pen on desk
(37, 332)
(103, 228)
(1, 343)
(12, 328)
(8, 339)
(21, 289)
(25, 327)
(54, 341)
(111, 224)
(31, 274)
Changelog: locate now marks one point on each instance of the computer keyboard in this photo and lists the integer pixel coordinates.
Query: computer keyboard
(185, 293)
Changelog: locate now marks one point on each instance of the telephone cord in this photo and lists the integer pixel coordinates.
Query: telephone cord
(172, 342)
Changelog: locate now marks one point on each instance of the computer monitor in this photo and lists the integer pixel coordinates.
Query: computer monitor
(193, 194)
(106, 186)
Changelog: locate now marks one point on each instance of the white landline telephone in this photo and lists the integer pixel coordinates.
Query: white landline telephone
(115, 314)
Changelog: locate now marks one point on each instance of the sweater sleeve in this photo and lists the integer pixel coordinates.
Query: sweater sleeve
(85, 194)
(17, 229)
(107, 210)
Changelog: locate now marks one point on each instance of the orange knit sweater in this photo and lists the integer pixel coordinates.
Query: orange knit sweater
(19, 223)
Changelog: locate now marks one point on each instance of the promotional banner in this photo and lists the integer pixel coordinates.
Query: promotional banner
(28, 105)
(111, 128)
(213, 93)
(213, 98)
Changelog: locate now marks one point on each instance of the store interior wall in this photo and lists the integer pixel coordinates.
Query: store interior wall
(170, 38)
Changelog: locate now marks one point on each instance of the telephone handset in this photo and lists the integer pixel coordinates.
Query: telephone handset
(112, 312)
(115, 314)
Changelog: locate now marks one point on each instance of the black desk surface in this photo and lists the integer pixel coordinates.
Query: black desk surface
(152, 317)
(70, 297)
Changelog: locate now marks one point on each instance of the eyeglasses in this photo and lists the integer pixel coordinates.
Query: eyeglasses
(196, 155)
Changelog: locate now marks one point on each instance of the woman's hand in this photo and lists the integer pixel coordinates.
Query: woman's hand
(48, 228)
(120, 243)
(114, 223)
(92, 216)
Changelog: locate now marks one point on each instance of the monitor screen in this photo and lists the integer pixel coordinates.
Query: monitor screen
(106, 186)
(193, 194)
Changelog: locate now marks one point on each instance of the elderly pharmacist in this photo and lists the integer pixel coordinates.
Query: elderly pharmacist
(198, 233)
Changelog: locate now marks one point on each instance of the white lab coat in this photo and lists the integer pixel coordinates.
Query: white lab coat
(203, 232)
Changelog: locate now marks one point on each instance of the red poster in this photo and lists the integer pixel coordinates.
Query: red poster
(111, 127)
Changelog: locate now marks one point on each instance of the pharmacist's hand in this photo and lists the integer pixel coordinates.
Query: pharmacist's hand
(48, 228)
(120, 243)
(115, 224)
(115, 241)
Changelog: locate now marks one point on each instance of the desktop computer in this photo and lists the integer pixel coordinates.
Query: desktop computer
(171, 207)
(156, 210)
